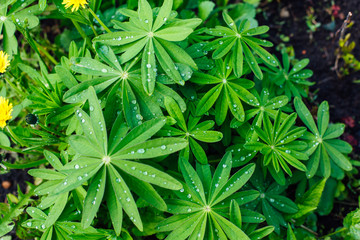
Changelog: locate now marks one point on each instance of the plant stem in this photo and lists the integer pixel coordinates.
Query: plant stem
(12, 85)
(24, 151)
(16, 138)
(331, 234)
(46, 53)
(306, 228)
(50, 130)
(83, 34)
(25, 165)
(95, 33)
(98, 19)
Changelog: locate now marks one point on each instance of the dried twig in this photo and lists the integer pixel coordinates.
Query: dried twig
(343, 26)
(342, 33)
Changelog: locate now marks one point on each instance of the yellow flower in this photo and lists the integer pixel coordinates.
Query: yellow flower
(5, 111)
(4, 62)
(76, 4)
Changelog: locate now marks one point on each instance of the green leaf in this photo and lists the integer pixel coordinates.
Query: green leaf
(114, 207)
(186, 228)
(261, 233)
(97, 120)
(232, 231)
(57, 209)
(141, 133)
(238, 59)
(123, 193)
(305, 115)
(192, 179)
(108, 55)
(178, 54)
(174, 34)
(205, 8)
(338, 157)
(323, 117)
(174, 111)
(334, 131)
(235, 214)
(66, 77)
(148, 174)
(82, 145)
(208, 100)
(80, 175)
(235, 105)
(207, 136)
(167, 63)
(146, 191)
(290, 233)
(148, 68)
(163, 14)
(198, 151)
(46, 174)
(310, 200)
(282, 203)
(220, 177)
(93, 67)
(299, 66)
(235, 182)
(120, 38)
(145, 14)
(152, 148)
(93, 198)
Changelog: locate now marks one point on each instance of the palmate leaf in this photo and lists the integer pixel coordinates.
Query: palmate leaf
(103, 167)
(153, 38)
(279, 145)
(109, 77)
(240, 41)
(231, 91)
(324, 149)
(282, 80)
(203, 203)
(272, 203)
(190, 129)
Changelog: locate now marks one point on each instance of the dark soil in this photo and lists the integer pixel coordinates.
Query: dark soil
(15, 177)
(288, 18)
(10, 181)
(319, 47)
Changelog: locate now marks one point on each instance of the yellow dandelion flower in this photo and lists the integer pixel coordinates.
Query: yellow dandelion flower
(5, 111)
(4, 61)
(76, 4)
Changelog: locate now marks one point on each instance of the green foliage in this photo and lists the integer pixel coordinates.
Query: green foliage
(323, 142)
(127, 114)
(279, 146)
(291, 81)
(203, 203)
(13, 209)
(351, 225)
(151, 38)
(271, 202)
(239, 40)
(22, 13)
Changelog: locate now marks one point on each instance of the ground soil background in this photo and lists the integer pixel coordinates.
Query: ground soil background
(287, 18)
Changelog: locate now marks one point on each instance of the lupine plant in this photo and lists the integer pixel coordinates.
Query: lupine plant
(159, 122)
